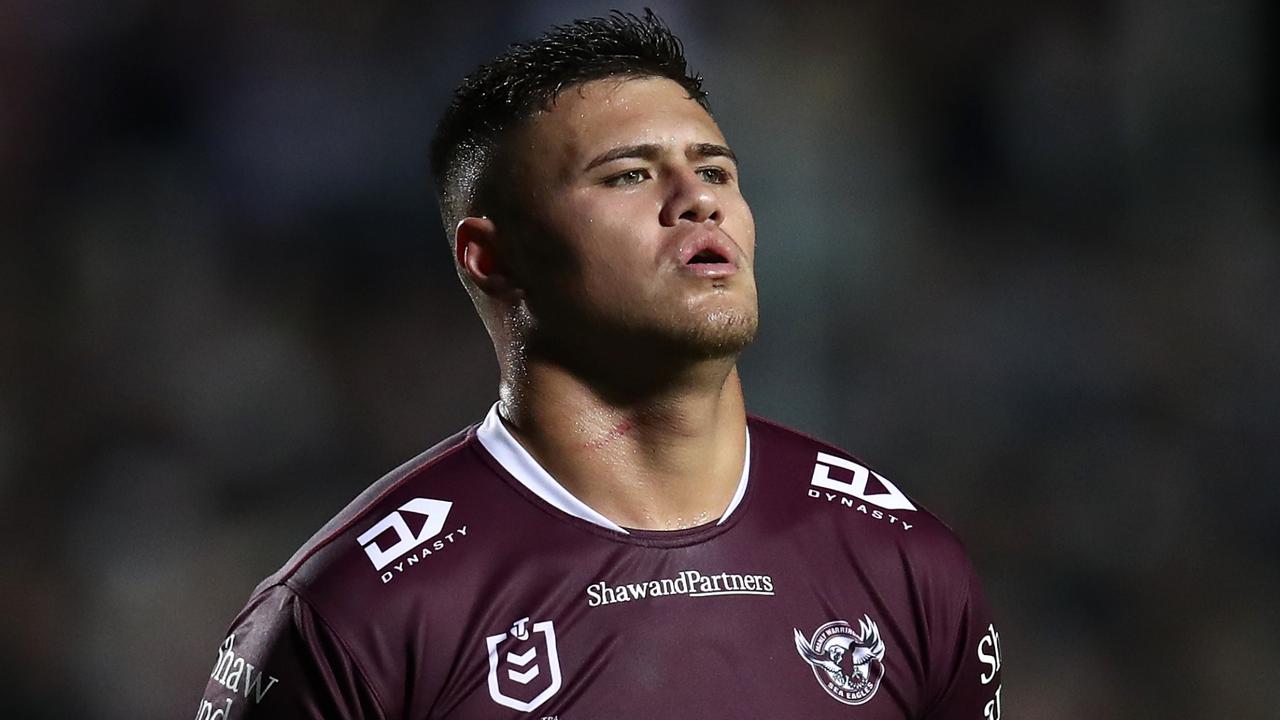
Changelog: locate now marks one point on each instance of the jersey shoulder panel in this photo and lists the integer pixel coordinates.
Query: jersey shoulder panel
(368, 577)
(320, 558)
(860, 523)
(817, 482)
(281, 661)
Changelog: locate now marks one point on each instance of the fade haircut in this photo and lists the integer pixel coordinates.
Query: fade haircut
(527, 78)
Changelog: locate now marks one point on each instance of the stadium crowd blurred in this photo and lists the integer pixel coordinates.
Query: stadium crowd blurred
(1023, 258)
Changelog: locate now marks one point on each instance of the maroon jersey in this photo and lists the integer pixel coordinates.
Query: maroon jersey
(469, 584)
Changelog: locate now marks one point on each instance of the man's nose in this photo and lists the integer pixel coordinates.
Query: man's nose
(690, 198)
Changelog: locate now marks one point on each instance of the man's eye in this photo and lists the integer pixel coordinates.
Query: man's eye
(630, 177)
(714, 174)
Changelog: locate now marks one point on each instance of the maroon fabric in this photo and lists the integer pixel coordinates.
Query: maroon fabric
(807, 601)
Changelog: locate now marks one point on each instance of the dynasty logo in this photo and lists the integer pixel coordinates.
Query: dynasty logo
(431, 514)
(848, 663)
(861, 488)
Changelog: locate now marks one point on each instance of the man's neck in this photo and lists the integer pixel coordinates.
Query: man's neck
(667, 461)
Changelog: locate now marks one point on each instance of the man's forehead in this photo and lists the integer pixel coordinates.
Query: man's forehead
(620, 93)
(600, 114)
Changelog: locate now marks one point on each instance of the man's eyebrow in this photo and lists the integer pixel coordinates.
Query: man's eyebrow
(705, 150)
(650, 151)
(647, 151)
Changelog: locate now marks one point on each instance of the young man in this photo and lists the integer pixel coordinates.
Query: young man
(616, 539)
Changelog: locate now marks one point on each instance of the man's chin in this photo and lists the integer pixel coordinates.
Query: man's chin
(724, 333)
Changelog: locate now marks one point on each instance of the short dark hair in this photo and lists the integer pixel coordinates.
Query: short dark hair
(528, 77)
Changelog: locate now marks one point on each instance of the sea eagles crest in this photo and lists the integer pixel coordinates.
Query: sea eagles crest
(524, 669)
(848, 664)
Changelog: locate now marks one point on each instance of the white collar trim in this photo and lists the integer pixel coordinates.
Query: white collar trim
(512, 456)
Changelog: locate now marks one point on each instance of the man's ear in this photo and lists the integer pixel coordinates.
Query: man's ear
(476, 248)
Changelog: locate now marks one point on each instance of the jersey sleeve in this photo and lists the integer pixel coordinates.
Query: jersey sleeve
(970, 665)
(281, 661)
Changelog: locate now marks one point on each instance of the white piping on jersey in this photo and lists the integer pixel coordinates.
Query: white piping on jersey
(511, 455)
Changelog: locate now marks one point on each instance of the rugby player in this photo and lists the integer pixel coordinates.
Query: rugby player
(617, 538)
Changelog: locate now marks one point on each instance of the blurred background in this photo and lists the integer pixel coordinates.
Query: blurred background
(1023, 257)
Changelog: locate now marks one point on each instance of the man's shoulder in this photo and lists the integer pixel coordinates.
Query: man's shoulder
(828, 487)
(379, 525)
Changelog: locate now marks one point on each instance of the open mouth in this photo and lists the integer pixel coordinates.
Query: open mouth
(707, 257)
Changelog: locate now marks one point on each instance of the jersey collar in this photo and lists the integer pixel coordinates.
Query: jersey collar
(511, 455)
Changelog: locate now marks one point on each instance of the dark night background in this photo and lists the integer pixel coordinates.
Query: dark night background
(1024, 258)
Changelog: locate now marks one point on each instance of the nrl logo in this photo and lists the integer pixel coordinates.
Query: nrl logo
(524, 668)
(848, 664)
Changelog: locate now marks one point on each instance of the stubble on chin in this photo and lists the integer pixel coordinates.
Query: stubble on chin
(721, 332)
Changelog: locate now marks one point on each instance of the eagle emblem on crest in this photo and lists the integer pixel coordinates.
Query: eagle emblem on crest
(848, 663)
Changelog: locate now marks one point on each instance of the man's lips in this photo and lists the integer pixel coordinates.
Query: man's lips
(708, 255)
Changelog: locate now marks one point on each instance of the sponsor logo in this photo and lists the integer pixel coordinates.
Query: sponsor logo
(435, 512)
(689, 583)
(865, 484)
(863, 487)
(239, 676)
(384, 551)
(848, 663)
(524, 668)
(989, 655)
(209, 711)
(860, 507)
